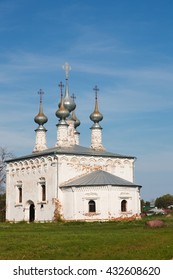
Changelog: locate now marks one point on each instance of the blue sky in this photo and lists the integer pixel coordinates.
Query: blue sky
(124, 47)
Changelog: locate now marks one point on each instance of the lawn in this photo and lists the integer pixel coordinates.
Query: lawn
(97, 241)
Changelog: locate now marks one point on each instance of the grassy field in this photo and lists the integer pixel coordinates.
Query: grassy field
(73, 241)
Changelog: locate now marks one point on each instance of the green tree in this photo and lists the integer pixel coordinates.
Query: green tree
(2, 207)
(164, 201)
(142, 205)
(4, 155)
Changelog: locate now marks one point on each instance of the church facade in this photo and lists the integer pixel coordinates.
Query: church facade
(69, 181)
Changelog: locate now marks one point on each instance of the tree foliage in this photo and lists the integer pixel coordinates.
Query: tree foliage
(164, 201)
(2, 207)
(4, 155)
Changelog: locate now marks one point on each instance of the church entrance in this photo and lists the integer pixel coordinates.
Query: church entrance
(31, 213)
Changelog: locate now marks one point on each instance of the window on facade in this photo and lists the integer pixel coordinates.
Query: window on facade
(92, 206)
(42, 189)
(20, 194)
(43, 192)
(123, 205)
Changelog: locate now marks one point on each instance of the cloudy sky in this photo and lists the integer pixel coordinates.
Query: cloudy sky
(124, 47)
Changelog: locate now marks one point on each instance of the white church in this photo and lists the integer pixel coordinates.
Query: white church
(68, 181)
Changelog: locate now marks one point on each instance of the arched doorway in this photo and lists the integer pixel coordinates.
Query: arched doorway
(31, 212)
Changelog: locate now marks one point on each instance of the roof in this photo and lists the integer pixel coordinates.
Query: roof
(99, 178)
(73, 150)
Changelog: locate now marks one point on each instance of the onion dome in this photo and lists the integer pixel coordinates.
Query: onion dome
(62, 113)
(96, 116)
(40, 118)
(69, 104)
(76, 120)
(73, 115)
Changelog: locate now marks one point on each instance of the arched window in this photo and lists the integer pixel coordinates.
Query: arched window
(124, 205)
(92, 206)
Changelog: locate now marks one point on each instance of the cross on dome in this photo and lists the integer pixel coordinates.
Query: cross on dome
(67, 68)
(40, 92)
(96, 89)
(68, 101)
(73, 97)
(61, 87)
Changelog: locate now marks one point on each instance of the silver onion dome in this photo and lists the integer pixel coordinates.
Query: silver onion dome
(76, 120)
(69, 103)
(96, 116)
(40, 118)
(62, 113)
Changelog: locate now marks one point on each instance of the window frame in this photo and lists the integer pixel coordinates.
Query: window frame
(19, 193)
(91, 206)
(124, 205)
(42, 191)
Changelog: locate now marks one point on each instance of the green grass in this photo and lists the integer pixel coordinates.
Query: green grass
(108, 240)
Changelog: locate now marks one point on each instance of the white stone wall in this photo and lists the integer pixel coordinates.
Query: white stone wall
(40, 143)
(96, 138)
(108, 202)
(71, 132)
(62, 134)
(56, 171)
(30, 173)
(73, 166)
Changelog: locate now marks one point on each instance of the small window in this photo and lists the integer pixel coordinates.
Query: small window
(20, 194)
(124, 206)
(43, 192)
(92, 206)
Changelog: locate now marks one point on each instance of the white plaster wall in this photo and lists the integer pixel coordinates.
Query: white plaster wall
(71, 167)
(108, 202)
(29, 173)
(57, 171)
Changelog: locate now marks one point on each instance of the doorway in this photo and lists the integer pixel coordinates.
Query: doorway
(31, 212)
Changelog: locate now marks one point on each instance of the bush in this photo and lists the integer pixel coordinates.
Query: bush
(2, 208)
